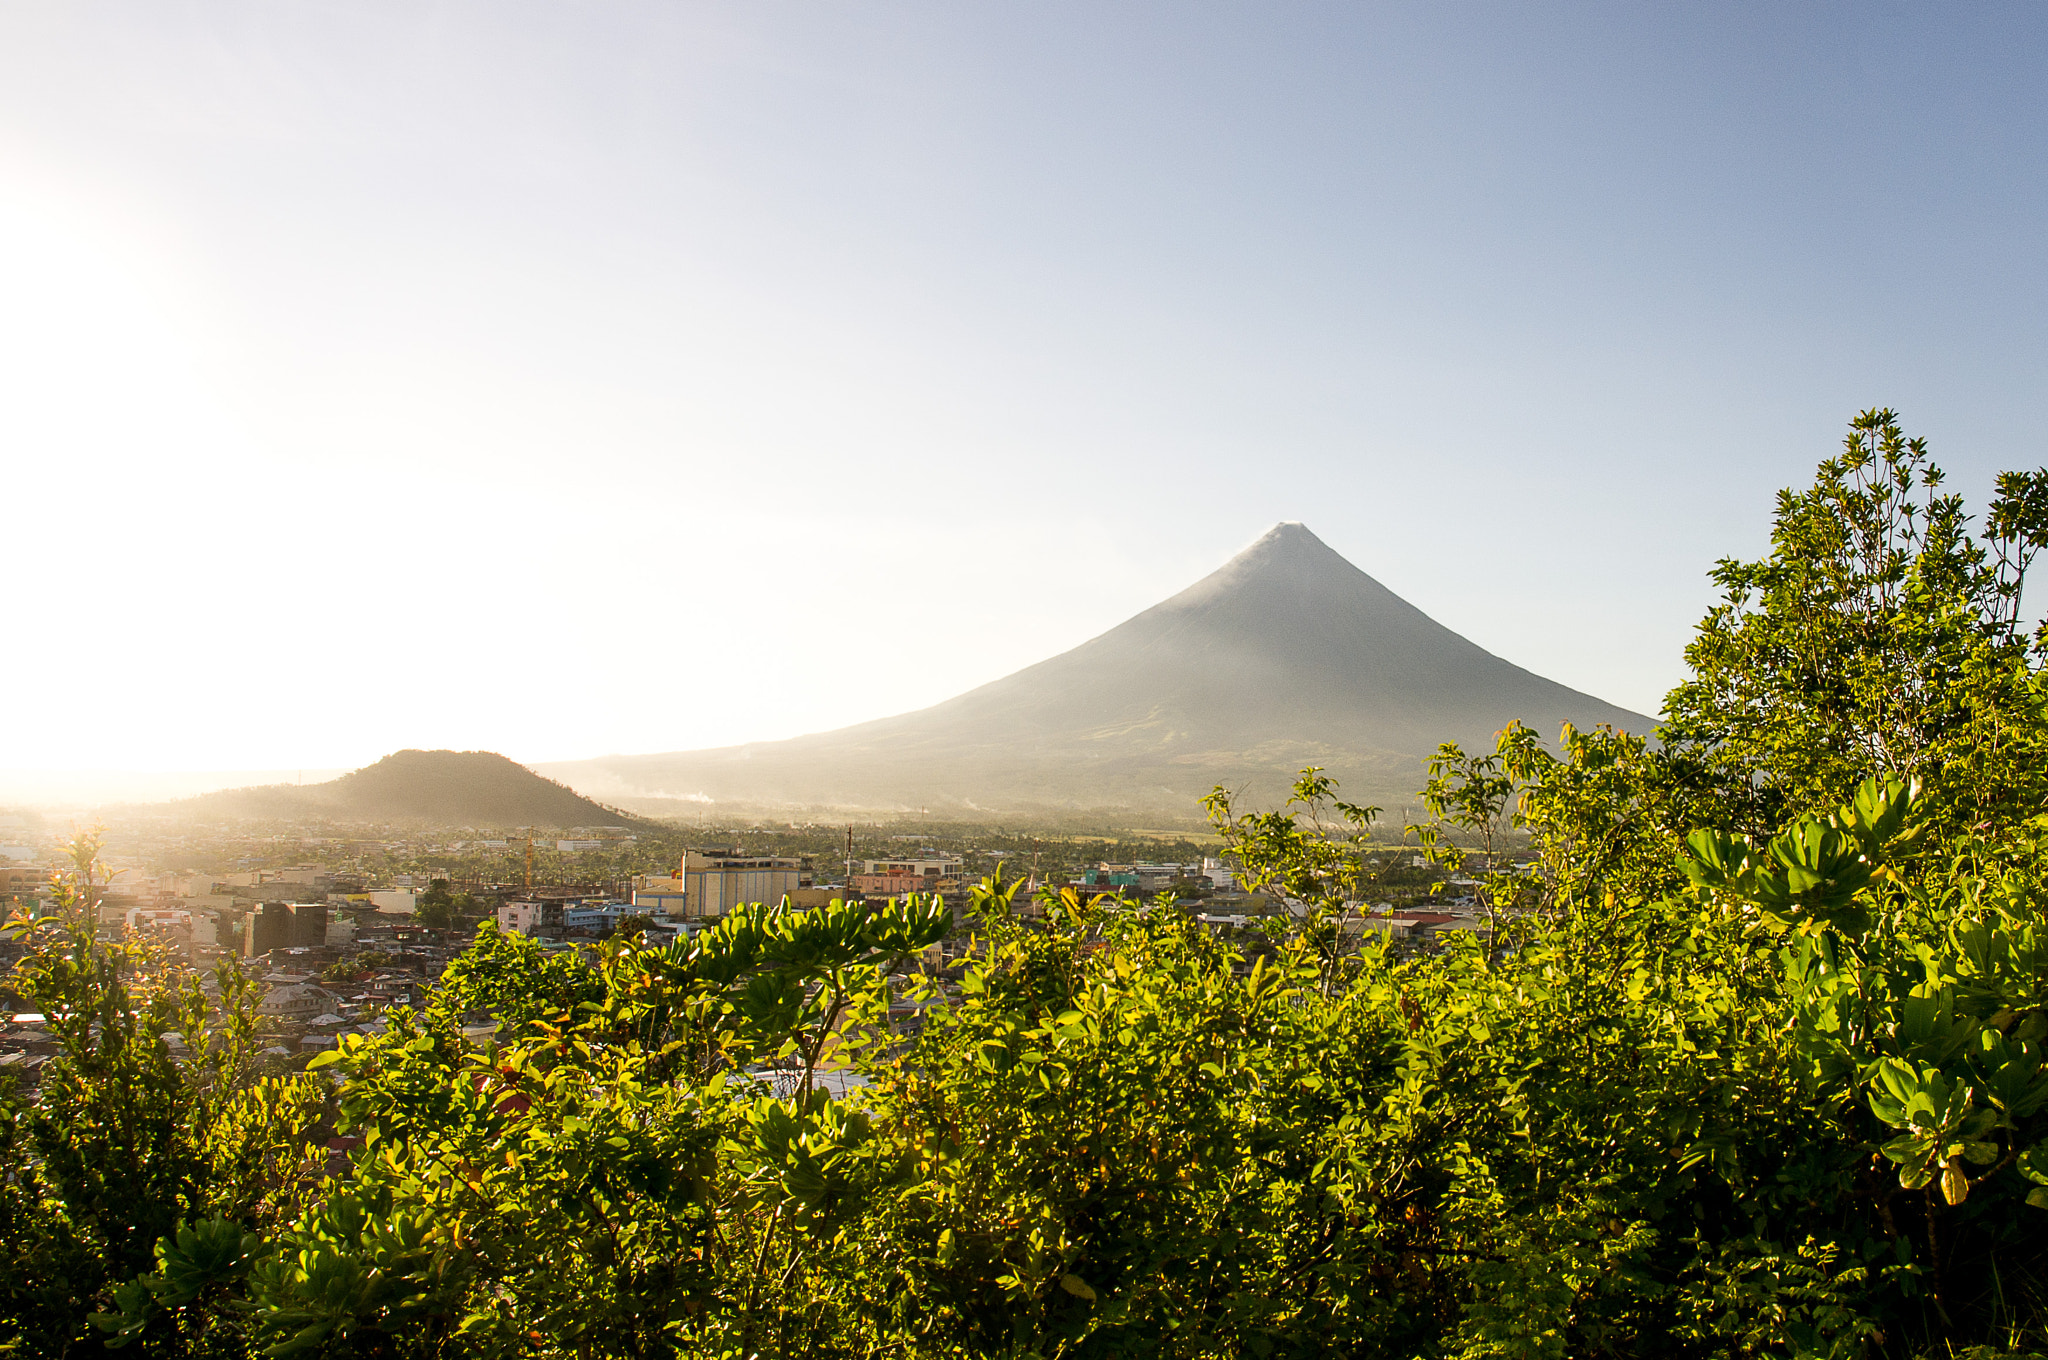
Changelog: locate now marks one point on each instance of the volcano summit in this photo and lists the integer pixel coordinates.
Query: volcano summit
(1287, 656)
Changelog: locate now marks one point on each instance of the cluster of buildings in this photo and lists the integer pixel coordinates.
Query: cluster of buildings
(1145, 879)
(705, 885)
(927, 871)
(312, 994)
(336, 955)
(246, 915)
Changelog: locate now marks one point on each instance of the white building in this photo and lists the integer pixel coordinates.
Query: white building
(600, 914)
(528, 918)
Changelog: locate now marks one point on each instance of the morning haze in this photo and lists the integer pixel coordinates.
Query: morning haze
(1284, 657)
(992, 682)
(453, 374)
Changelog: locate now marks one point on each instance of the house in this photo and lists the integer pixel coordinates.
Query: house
(389, 989)
(293, 1002)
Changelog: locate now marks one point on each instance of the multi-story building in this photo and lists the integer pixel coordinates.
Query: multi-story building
(893, 877)
(286, 925)
(528, 917)
(710, 883)
(309, 924)
(269, 927)
(590, 915)
(24, 880)
(299, 875)
(660, 894)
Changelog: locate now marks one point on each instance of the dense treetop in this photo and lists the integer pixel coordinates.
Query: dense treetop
(1749, 1064)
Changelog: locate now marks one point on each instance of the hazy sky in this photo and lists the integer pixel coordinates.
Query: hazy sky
(566, 379)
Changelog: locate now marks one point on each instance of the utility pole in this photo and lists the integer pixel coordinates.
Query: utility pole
(529, 864)
(849, 859)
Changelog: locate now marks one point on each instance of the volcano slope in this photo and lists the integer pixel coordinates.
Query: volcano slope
(1287, 656)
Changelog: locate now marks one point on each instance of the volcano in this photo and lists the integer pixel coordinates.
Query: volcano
(1287, 656)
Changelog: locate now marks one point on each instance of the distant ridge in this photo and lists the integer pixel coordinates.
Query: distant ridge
(445, 788)
(1288, 655)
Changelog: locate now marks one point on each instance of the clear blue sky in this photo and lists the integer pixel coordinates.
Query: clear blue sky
(574, 378)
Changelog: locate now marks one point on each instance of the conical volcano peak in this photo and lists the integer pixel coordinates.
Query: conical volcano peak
(1285, 656)
(1288, 530)
(1288, 538)
(1286, 563)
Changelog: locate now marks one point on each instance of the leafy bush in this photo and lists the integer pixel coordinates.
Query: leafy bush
(1749, 1063)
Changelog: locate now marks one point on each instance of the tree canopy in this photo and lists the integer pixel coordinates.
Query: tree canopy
(1748, 1062)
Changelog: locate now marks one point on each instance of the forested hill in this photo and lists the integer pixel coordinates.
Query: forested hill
(451, 788)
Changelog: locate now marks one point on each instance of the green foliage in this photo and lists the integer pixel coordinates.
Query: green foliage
(1125, 1144)
(514, 978)
(199, 1261)
(438, 908)
(1314, 853)
(1878, 638)
(1743, 1069)
(357, 968)
(152, 1111)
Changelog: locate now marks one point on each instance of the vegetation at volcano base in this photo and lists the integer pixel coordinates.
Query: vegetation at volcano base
(1750, 1065)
